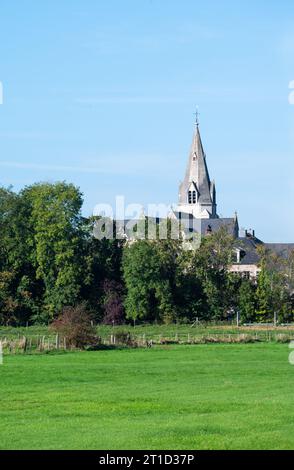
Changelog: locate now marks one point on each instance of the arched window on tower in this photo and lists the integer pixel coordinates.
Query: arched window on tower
(192, 197)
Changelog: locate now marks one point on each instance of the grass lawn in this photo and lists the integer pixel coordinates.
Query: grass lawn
(222, 396)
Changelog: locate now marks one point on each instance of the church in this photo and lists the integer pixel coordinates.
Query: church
(197, 195)
(197, 211)
(196, 215)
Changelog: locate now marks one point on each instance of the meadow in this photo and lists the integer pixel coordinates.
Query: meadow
(212, 396)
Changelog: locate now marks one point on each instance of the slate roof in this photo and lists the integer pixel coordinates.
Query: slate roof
(249, 254)
(281, 249)
(204, 225)
(215, 224)
(188, 223)
(248, 247)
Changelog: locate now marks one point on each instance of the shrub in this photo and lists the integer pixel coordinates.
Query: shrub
(122, 337)
(74, 324)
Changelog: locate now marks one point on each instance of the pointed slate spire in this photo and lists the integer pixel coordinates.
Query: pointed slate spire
(197, 175)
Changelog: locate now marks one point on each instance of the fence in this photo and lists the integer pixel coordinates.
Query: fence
(32, 343)
(43, 343)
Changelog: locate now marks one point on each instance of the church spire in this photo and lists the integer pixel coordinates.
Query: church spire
(197, 193)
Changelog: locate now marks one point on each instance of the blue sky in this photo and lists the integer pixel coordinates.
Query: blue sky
(102, 94)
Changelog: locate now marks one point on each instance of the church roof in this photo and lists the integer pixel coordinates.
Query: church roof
(215, 224)
(207, 225)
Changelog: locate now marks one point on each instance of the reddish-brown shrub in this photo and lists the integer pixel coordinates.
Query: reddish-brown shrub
(75, 325)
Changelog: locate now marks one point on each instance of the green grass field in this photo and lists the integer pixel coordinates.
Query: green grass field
(178, 397)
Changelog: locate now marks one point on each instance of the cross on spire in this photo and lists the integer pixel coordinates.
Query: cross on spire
(196, 114)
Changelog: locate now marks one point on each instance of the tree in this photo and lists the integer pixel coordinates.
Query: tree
(273, 293)
(289, 271)
(55, 224)
(48, 255)
(288, 301)
(113, 303)
(246, 300)
(263, 307)
(21, 292)
(210, 264)
(189, 296)
(101, 261)
(148, 287)
(8, 303)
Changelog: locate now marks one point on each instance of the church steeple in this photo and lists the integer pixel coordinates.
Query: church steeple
(197, 193)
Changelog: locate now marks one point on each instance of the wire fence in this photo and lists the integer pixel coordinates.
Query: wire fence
(43, 343)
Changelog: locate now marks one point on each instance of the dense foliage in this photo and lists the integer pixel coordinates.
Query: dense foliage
(49, 260)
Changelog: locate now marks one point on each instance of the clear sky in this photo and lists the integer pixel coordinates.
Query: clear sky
(102, 93)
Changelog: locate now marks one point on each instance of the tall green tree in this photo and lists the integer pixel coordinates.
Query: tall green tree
(102, 261)
(190, 299)
(21, 291)
(149, 295)
(55, 222)
(273, 293)
(210, 264)
(246, 300)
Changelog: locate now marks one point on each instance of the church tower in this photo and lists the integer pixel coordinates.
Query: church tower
(197, 194)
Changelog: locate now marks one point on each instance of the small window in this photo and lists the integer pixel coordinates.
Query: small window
(192, 197)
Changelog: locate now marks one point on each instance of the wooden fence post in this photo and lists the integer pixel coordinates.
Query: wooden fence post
(24, 344)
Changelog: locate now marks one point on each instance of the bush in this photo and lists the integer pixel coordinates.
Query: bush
(74, 324)
(124, 338)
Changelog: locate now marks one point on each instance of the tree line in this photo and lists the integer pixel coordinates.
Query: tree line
(50, 260)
